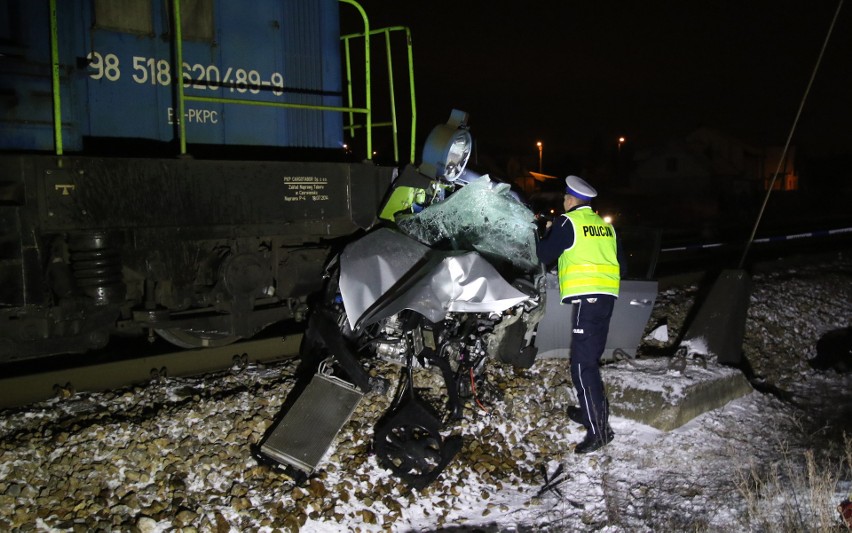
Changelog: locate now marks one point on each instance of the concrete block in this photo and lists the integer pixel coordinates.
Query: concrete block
(666, 393)
(719, 325)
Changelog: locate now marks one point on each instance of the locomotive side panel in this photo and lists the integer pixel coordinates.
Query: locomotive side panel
(308, 201)
(117, 72)
(26, 112)
(12, 262)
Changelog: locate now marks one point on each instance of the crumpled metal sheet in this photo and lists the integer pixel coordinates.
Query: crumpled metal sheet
(459, 284)
(386, 272)
(371, 265)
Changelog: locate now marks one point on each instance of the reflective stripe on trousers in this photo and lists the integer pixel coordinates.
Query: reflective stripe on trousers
(590, 326)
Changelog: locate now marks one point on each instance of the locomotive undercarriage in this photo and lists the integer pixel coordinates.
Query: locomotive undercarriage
(94, 248)
(103, 290)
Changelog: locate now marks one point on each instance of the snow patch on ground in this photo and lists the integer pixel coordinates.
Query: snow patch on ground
(177, 452)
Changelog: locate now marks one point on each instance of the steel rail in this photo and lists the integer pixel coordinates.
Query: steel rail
(27, 389)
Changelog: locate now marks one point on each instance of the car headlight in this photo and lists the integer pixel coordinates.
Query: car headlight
(447, 148)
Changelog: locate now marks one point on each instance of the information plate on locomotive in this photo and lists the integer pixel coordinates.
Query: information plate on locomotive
(305, 188)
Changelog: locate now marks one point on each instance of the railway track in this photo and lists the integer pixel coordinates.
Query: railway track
(31, 387)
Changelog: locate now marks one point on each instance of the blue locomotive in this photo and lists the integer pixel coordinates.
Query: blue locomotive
(201, 211)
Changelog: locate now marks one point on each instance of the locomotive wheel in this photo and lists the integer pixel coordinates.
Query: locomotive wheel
(187, 338)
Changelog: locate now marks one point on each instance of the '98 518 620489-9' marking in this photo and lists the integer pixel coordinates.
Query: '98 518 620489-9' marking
(153, 71)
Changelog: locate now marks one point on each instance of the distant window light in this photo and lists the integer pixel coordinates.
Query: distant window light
(792, 182)
(671, 164)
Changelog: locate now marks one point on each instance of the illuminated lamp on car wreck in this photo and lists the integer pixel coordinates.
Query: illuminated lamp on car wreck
(447, 148)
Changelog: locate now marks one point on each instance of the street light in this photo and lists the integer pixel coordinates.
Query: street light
(539, 156)
(620, 142)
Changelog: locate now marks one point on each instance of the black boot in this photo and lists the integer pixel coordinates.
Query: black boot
(595, 441)
(575, 414)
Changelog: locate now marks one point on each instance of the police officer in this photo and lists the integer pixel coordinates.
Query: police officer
(589, 276)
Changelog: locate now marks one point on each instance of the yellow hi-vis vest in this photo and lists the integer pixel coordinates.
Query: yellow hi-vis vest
(590, 266)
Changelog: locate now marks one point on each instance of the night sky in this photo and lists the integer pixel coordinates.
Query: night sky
(573, 74)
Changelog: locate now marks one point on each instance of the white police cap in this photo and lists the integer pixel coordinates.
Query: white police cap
(576, 186)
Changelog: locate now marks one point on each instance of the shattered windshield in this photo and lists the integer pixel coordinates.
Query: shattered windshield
(481, 216)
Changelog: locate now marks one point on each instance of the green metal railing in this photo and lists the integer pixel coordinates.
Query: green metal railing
(391, 89)
(182, 97)
(54, 76)
(352, 110)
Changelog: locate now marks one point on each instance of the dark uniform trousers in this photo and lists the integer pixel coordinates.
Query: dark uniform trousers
(590, 325)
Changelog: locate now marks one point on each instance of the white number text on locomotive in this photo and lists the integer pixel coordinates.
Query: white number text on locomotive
(153, 71)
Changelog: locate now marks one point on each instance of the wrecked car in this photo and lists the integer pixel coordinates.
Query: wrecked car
(447, 287)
